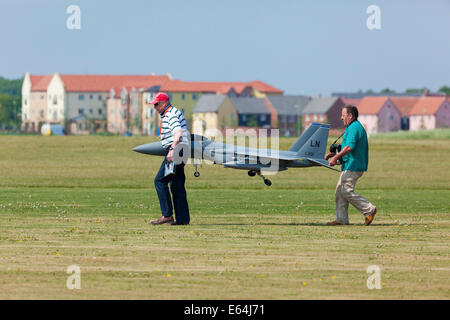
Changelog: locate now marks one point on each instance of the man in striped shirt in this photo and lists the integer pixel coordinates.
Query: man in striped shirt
(173, 131)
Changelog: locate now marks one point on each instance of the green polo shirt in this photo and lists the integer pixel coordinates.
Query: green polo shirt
(355, 137)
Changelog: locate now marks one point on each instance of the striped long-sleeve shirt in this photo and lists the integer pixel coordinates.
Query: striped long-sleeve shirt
(172, 120)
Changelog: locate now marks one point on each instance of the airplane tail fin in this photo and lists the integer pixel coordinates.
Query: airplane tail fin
(304, 137)
(314, 146)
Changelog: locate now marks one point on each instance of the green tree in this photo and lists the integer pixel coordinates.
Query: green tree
(11, 87)
(387, 91)
(10, 117)
(445, 90)
(415, 90)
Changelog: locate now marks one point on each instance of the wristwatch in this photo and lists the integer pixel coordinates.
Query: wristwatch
(170, 148)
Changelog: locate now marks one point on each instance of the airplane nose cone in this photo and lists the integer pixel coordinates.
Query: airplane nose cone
(153, 148)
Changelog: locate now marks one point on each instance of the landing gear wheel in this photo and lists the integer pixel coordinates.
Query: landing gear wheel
(267, 182)
(252, 173)
(196, 174)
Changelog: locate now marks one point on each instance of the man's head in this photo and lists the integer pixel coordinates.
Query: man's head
(349, 114)
(160, 101)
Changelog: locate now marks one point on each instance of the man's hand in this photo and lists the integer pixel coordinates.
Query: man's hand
(333, 161)
(329, 155)
(170, 156)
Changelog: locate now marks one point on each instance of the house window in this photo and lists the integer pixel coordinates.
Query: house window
(100, 111)
(91, 110)
(80, 111)
(81, 97)
(42, 97)
(194, 96)
(314, 117)
(99, 97)
(55, 100)
(244, 117)
(183, 96)
(307, 117)
(91, 96)
(291, 119)
(262, 117)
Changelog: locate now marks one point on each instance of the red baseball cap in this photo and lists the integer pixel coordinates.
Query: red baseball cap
(160, 96)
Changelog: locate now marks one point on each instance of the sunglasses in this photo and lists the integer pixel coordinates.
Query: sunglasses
(156, 104)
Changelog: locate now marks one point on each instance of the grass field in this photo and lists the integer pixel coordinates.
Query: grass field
(87, 201)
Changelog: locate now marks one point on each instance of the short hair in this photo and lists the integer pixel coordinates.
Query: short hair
(353, 110)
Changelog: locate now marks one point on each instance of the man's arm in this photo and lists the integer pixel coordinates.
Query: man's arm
(177, 133)
(343, 152)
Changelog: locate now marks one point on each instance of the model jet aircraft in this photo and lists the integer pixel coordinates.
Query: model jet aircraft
(308, 151)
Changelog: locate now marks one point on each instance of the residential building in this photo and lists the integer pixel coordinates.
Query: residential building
(286, 113)
(78, 102)
(379, 114)
(212, 114)
(324, 110)
(430, 113)
(185, 94)
(404, 105)
(252, 112)
(150, 117)
(34, 102)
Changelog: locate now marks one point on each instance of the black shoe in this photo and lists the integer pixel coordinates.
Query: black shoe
(176, 223)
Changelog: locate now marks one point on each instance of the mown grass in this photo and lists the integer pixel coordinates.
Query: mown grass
(443, 133)
(87, 201)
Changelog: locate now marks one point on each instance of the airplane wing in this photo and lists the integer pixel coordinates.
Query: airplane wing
(323, 163)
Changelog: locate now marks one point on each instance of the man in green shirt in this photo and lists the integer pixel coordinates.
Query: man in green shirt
(354, 157)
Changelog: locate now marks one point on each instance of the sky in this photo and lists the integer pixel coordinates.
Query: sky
(301, 47)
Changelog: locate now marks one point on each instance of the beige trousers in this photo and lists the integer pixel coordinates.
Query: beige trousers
(345, 194)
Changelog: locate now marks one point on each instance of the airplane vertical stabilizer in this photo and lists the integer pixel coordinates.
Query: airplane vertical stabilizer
(304, 137)
(315, 146)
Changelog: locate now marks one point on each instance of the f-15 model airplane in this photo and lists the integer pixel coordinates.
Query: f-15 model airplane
(308, 151)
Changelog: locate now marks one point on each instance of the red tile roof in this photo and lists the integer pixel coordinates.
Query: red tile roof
(40, 83)
(427, 105)
(104, 83)
(216, 87)
(371, 105)
(351, 101)
(405, 104)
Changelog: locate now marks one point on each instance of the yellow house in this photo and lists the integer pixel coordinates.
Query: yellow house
(185, 95)
(212, 114)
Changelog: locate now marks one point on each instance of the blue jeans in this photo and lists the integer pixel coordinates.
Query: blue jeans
(178, 192)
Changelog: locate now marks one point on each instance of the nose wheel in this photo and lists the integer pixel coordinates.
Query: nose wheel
(196, 173)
